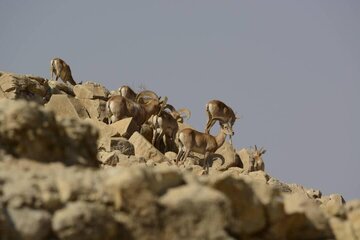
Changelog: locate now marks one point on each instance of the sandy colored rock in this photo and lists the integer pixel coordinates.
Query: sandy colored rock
(58, 87)
(28, 224)
(195, 212)
(247, 161)
(125, 127)
(66, 106)
(304, 219)
(84, 220)
(96, 108)
(342, 229)
(16, 86)
(123, 145)
(36, 134)
(353, 212)
(145, 149)
(248, 213)
(231, 159)
(91, 90)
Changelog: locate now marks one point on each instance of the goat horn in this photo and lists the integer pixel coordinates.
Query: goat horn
(146, 93)
(171, 107)
(186, 111)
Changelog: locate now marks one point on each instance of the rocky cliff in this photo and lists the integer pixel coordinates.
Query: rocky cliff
(65, 174)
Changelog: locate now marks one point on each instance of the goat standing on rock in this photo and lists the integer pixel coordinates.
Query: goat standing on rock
(62, 70)
(218, 110)
(191, 140)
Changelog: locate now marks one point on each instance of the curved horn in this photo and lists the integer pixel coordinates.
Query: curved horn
(146, 93)
(170, 107)
(185, 111)
(163, 104)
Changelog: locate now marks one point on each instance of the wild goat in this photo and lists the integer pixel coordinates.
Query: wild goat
(62, 70)
(218, 110)
(127, 92)
(191, 140)
(121, 107)
(180, 114)
(165, 127)
(258, 163)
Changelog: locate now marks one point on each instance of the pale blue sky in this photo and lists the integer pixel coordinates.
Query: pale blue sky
(291, 69)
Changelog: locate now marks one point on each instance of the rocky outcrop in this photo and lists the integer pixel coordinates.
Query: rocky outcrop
(65, 174)
(28, 130)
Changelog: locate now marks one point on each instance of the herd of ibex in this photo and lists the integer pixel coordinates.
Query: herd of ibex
(147, 109)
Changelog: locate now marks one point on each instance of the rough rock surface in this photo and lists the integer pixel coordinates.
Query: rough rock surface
(59, 180)
(28, 130)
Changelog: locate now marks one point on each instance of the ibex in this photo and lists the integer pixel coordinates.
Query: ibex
(191, 140)
(218, 110)
(165, 127)
(121, 107)
(62, 70)
(258, 163)
(127, 92)
(180, 114)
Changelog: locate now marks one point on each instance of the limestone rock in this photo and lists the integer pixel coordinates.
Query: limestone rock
(145, 149)
(248, 213)
(333, 205)
(342, 229)
(353, 212)
(304, 220)
(247, 161)
(96, 108)
(84, 220)
(122, 145)
(15, 86)
(66, 106)
(125, 127)
(116, 158)
(231, 158)
(58, 87)
(195, 212)
(36, 134)
(91, 90)
(28, 224)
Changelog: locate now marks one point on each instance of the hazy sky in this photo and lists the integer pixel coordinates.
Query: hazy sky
(290, 69)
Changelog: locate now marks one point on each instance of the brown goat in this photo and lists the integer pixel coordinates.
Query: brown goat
(191, 140)
(218, 110)
(62, 70)
(121, 107)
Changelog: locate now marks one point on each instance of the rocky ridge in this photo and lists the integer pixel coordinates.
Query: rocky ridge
(65, 174)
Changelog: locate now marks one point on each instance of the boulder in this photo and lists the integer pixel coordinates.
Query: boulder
(123, 145)
(84, 220)
(15, 86)
(116, 158)
(58, 87)
(96, 108)
(91, 90)
(125, 127)
(194, 212)
(145, 149)
(231, 158)
(353, 213)
(333, 205)
(36, 134)
(248, 213)
(342, 229)
(28, 224)
(247, 161)
(303, 220)
(66, 106)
